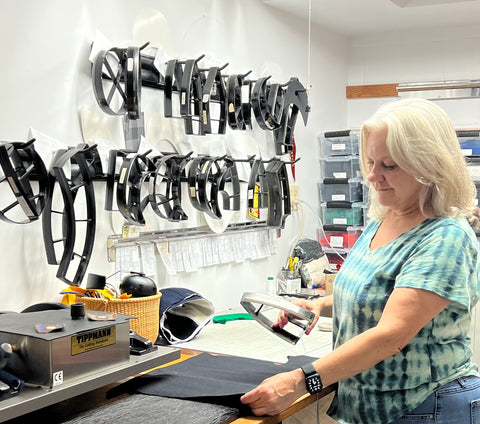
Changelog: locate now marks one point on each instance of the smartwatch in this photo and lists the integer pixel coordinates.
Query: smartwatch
(312, 379)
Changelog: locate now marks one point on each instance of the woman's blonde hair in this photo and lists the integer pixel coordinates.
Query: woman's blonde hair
(422, 141)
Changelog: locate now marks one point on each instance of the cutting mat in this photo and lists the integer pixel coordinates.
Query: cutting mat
(249, 339)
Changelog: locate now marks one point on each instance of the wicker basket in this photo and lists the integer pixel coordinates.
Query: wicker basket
(145, 309)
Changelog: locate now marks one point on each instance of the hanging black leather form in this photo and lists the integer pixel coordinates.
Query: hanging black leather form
(165, 186)
(84, 164)
(207, 179)
(279, 206)
(136, 170)
(116, 81)
(21, 164)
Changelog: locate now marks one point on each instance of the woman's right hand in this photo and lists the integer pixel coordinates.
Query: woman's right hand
(314, 305)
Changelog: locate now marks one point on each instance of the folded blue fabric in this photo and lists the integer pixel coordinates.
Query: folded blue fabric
(16, 384)
(183, 313)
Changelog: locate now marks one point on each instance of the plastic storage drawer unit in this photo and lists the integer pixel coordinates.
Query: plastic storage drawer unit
(365, 192)
(342, 213)
(340, 189)
(339, 236)
(340, 167)
(473, 164)
(477, 198)
(340, 143)
(469, 142)
(335, 260)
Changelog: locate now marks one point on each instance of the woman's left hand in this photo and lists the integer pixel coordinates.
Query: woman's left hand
(276, 393)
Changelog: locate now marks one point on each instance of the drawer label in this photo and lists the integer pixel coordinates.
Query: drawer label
(336, 241)
(95, 339)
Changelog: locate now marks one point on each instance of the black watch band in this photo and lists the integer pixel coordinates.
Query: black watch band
(313, 382)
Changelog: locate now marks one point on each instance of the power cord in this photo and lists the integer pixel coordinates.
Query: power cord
(322, 230)
(295, 202)
(302, 204)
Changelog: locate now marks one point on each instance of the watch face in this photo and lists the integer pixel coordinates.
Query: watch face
(314, 383)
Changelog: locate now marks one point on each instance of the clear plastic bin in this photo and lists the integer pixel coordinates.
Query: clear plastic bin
(340, 189)
(339, 143)
(365, 192)
(335, 260)
(366, 218)
(477, 199)
(338, 236)
(469, 142)
(473, 164)
(340, 167)
(342, 213)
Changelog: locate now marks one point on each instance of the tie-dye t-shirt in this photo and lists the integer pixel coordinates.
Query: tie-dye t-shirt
(439, 255)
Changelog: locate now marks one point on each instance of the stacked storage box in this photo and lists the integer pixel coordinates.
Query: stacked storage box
(341, 193)
(470, 145)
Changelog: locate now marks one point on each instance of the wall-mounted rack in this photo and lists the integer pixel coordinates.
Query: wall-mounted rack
(193, 248)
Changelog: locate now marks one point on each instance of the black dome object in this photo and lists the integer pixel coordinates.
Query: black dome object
(138, 285)
(45, 306)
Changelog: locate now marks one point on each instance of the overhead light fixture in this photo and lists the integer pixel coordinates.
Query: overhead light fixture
(440, 89)
(416, 3)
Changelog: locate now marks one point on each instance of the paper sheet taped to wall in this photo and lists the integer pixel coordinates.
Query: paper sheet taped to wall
(191, 254)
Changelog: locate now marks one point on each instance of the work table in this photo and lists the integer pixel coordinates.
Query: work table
(71, 404)
(59, 408)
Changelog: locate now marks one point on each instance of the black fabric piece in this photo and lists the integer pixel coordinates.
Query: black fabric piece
(134, 409)
(153, 409)
(211, 378)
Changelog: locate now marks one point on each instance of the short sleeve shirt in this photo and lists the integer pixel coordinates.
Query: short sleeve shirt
(439, 255)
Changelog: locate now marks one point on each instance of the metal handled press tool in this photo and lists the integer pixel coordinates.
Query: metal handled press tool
(255, 302)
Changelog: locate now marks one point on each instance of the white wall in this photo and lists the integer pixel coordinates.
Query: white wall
(419, 56)
(46, 82)
(437, 54)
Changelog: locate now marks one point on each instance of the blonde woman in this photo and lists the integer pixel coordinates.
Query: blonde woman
(403, 299)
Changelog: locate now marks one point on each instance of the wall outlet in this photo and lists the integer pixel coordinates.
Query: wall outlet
(294, 199)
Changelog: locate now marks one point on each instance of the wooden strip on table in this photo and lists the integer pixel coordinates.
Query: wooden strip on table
(297, 406)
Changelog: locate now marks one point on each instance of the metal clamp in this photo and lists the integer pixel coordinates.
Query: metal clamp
(303, 320)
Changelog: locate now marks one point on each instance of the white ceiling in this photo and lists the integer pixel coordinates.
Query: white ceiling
(359, 17)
